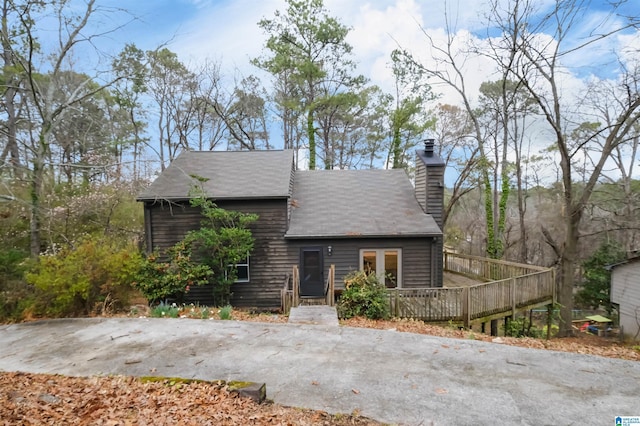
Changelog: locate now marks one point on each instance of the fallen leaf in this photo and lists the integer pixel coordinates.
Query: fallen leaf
(117, 400)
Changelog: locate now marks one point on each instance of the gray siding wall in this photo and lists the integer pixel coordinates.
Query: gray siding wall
(269, 263)
(625, 291)
(416, 257)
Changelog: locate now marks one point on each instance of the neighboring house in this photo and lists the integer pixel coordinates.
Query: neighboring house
(354, 219)
(625, 291)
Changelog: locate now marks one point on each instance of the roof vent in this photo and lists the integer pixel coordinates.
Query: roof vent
(428, 147)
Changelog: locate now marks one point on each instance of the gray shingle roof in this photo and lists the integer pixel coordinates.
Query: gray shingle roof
(367, 203)
(231, 174)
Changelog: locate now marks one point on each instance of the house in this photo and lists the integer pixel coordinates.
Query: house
(354, 219)
(625, 291)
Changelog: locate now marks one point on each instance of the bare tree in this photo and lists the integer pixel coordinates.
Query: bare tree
(459, 151)
(48, 106)
(538, 66)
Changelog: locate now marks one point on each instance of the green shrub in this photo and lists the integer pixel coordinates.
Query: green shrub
(164, 310)
(596, 282)
(521, 327)
(364, 295)
(94, 275)
(223, 240)
(15, 295)
(11, 265)
(160, 280)
(225, 312)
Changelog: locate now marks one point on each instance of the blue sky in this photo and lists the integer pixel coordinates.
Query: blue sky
(226, 30)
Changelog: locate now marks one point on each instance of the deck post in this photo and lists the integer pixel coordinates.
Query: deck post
(396, 304)
(466, 300)
(494, 327)
(513, 298)
(549, 320)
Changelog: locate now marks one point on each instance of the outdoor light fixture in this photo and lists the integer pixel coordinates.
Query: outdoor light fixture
(330, 250)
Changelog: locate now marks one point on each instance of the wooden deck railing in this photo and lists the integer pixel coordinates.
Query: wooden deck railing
(290, 296)
(512, 287)
(329, 292)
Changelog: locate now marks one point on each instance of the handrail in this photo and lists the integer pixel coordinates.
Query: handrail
(512, 287)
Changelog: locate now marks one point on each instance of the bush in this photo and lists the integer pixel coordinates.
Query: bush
(15, 294)
(522, 327)
(596, 282)
(160, 280)
(364, 295)
(225, 312)
(165, 311)
(94, 275)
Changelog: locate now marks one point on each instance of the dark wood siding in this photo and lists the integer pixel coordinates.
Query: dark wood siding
(269, 262)
(421, 183)
(435, 192)
(273, 257)
(416, 257)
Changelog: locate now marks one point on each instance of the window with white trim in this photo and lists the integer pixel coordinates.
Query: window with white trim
(385, 263)
(242, 270)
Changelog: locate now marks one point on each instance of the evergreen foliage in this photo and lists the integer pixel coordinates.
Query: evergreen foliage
(93, 275)
(365, 296)
(205, 255)
(596, 283)
(160, 279)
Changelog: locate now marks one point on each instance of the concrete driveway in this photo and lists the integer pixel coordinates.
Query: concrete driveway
(386, 375)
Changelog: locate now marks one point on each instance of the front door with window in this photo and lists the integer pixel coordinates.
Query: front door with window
(311, 272)
(385, 263)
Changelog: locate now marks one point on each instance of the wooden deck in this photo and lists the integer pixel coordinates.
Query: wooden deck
(476, 290)
(490, 289)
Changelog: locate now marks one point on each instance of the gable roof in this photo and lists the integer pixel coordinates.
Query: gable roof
(351, 203)
(232, 175)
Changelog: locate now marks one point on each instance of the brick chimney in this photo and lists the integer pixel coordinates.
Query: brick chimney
(429, 191)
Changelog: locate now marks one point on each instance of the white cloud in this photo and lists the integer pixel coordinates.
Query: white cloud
(227, 31)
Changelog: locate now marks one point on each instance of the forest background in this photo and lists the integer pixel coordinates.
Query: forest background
(534, 108)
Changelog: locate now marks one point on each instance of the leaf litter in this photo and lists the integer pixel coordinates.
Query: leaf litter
(44, 399)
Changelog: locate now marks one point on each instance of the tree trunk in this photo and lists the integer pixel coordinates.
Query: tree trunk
(36, 193)
(567, 268)
(311, 135)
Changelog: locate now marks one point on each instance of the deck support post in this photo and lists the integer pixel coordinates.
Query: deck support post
(494, 327)
(513, 298)
(549, 320)
(466, 300)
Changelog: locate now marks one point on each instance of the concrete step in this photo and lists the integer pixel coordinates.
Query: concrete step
(314, 315)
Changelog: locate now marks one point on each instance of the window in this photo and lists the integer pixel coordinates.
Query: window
(386, 263)
(242, 270)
